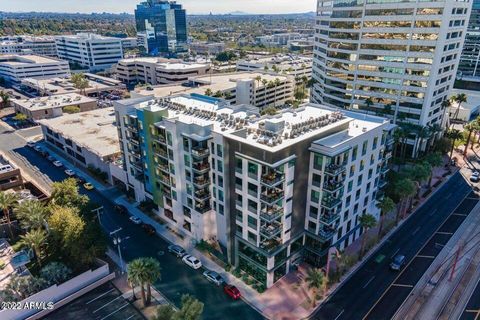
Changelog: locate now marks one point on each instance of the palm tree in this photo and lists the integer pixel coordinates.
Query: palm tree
(446, 105)
(258, 79)
(459, 98)
(423, 134)
(209, 92)
(8, 201)
(315, 281)
(276, 83)
(304, 84)
(435, 160)
(35, 240)
(453, 135)
(404, 188)
(144, 272)
(470, 127)
(5, 99)
(32, 214)
(385, 205)
(367, 221)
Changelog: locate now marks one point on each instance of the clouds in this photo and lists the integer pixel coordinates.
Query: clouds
(192, 6)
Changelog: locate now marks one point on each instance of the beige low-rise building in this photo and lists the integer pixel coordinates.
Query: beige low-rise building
(54, 106)
(259, 89)
(158, 70)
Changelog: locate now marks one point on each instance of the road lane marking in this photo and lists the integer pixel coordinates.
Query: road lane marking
(395, 253)
(402, 285)
(427, 257)
(433, 212)
(118, 309)
(100, 296)
(460, 214)
(106, 304)
(415, 231)
(368, 282)
(444, 232)
(340, 314)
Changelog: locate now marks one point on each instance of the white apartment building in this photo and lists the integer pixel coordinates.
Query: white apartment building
(89, 50)
(261, 89)
(294, 65)
(14, 68)
(271, 189)
(278, 39)
(37, 45)
(206, 48)
(403, 55)
(158, 70)
(129, 43)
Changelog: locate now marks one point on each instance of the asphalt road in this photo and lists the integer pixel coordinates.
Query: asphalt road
(472, 309)
(374, 292)
(177, 278)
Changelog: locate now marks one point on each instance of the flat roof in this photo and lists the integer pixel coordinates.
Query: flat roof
(95, 130)
(163, 63)
(215, 82)
(18, 60)
(52, 102)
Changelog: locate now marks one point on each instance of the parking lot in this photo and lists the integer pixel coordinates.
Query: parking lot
(103, 303)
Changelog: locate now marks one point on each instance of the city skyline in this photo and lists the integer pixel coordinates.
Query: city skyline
(192, 7)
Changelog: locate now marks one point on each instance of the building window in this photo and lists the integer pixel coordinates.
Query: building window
(238, 165)
(252, 170)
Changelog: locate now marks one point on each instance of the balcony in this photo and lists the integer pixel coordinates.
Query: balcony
(272, 179)
(271, 213)
(270, 244)
(202, 195)
(201, 181)
(202, 207)
(161, 153)
(164, 167)
(164, 179)
(200, 167)
(329, 218)
(160, 139)
(384, 169)
(330, 202)
(199, 152)
(335, 169)
(272, 196)
(382, 183)
(388, 155)
(332, 186)
(269, 231)
(326, 233)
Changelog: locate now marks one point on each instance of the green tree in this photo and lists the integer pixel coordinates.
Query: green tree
(385, 205)
(191, 309)
(367, 221)
(453, 135)
(66, 228)
(32, 214)
(144, 272)
(459, 99)
(434, 160)
(164, 312)
(20, 117)
(209, 92)
(419, 173)
(315, 281)
(5, 99)
(80, 82)
(65, 193)
(7, 202)
(55, 273)
(71, 109)
(404, 189)
(35, 240)
(276, 84)
(470, 128)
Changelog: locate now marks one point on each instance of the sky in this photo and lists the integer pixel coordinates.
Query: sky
(192, 6)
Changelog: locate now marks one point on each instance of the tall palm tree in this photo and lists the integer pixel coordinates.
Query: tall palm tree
(435, 160)
(144, 272)
(276, 83)
(7, 202)
(208, 92)
(385, 205)
(304, 84)
(453, 135)
(258, 79)
(459, 98)
(423, 133)
(367, 221)
(35, 240)
(314, 280)
(446, 105)
(470, 127)
(5, 99)
(405, 189)
(32, 214)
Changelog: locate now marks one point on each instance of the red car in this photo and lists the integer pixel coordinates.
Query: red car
(232, 292)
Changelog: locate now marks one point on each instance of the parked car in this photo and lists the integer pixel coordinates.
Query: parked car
(149, 229)
(69, 172)
(214, 277)
(51, 159)
(232, 291)
(397, 262)
(120, 209)
(37, 148)
(57, 164)
(192, 262)
(31, 144)
(475, 176)
(81, 180)
(135, 220)
(176, 250)
(88, 186)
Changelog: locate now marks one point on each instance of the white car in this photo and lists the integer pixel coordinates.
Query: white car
(135, 220)
(31, 144)
(57, 164)
(475, 176)
(37, 148)
(191, 261)
(69, 172)
(214, 277)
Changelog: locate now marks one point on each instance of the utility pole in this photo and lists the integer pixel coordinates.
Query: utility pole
(98, 211)
(117, 241)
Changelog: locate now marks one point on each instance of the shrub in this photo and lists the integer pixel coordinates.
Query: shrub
(261, 288)
(228, 267)
(71, 109)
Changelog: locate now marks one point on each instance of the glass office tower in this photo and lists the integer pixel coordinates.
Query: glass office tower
(469, 68)
(163, 26)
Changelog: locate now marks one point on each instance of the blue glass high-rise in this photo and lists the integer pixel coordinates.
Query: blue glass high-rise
(163, 24)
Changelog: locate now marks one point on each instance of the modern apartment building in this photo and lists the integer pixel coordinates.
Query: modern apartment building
(294, 65)
(158, 70)
(162, 26)
(207, 48)
(14, 68)
(269, 189)
(469, 68)
(389, 57)
(278, 39)
(90, 51)
(260, 89)
(38, 45)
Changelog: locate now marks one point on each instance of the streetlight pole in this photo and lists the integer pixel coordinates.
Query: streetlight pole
(117, 241)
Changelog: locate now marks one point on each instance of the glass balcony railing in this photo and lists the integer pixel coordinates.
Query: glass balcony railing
(160, 139)
(382, 183)
(202, 207)
(164, 167)
(329, 218)
(272, 196)
(273, 178)
(330, 202)
(270, 244)
(332, 186)
(160, 152)
(269, 231)
(271, 213)
(335, 169)
(326, 233)
(200, 152)
(200, 166)
(164, 180)
(200, 181)
(202, 195)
